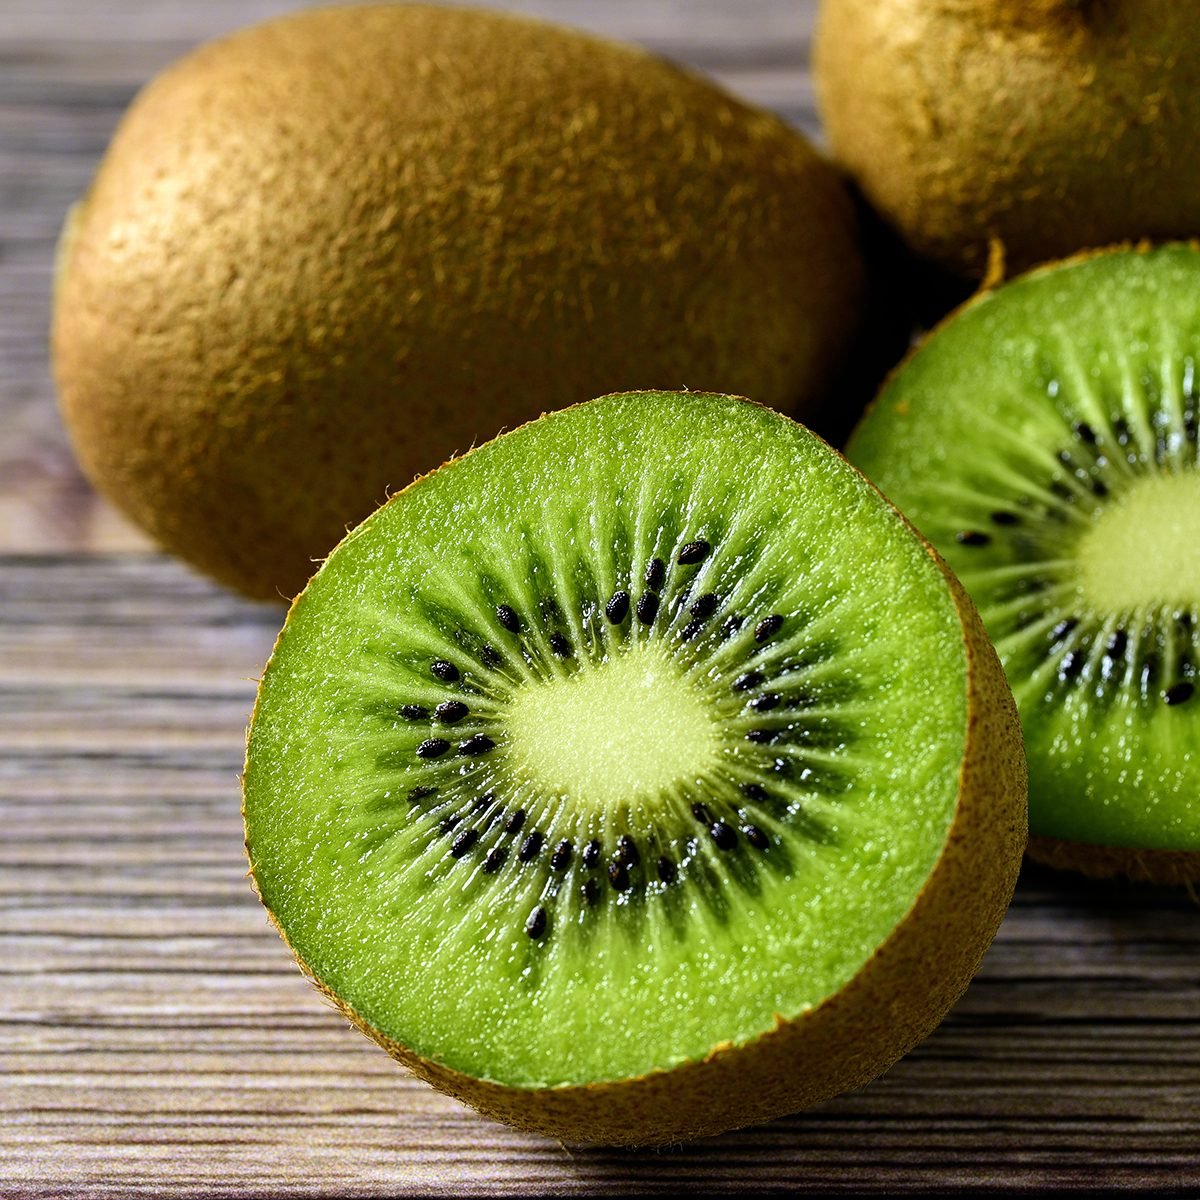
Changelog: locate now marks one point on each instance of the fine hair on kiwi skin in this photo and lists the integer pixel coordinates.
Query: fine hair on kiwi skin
(1053, 125)
(1113, 407)
(327, 252)
(672, 593)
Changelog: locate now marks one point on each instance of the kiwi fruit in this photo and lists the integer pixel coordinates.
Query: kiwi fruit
(1048, 125)
(638, 775)
(328, 252)
(1044, 438)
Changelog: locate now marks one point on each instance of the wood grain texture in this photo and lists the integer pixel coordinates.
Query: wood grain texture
(155, 1039)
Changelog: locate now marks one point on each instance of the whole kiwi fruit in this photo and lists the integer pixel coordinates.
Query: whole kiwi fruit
(638, 775)
(326, 253)
(1046, 439)
(1049, 125)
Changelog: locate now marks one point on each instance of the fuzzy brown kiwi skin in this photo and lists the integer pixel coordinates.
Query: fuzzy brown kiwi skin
(897, 998)
(1052, 124)
(1166, 868)
(296, 282)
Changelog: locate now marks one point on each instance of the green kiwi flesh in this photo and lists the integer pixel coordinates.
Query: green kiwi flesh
(625, 743)
(1045, 440)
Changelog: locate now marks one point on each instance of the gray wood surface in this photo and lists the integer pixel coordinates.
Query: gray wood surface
(154, 1037)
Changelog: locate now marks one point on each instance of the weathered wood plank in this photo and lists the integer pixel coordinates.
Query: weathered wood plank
(155, 1038)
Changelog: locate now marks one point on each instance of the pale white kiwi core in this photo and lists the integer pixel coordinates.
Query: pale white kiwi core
(1143, 551)
(627, 729)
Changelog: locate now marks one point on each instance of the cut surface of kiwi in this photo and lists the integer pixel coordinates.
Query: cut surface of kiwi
(644, 747)
(1045, 440)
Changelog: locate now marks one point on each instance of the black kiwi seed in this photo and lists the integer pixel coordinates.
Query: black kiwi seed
(480, 743)
(704, 606)
(490, 656)
(1084, 432)
(972, 537)
(618, 876)
(647, 607)
(463, 842)
(1003, 517)
(656, 573)
(666, 869)
(627, 851)
(754, 791)
(433, 748)
(514, 823)
(1116, 644)
(617, 609)
(591, 891)
(508, 618)
(1179, 693)
(560, 645)
(743, 683)
(701, 813)
(449, 712)
(768, 627)
(1062, 629)
(1070, 665)
(731, 626)
(723, 835)
(755, 836)
(421, 792)
(694, 552)
(765, 702)
(690, 630)
(591, 853)
(531, 846)
(414, 712)
(536, 925)
(447, 672)
(561, 858)
(495, 859)
(448, 824)
(761, 736)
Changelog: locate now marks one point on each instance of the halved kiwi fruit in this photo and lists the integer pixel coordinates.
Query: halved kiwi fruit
(638, 775)
(1045, 440)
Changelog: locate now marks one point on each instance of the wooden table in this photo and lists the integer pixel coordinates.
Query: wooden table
(154, 1037)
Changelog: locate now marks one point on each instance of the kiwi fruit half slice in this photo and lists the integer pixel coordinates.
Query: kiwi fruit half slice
(1044, 438)
(326, 253)
(638, 775)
